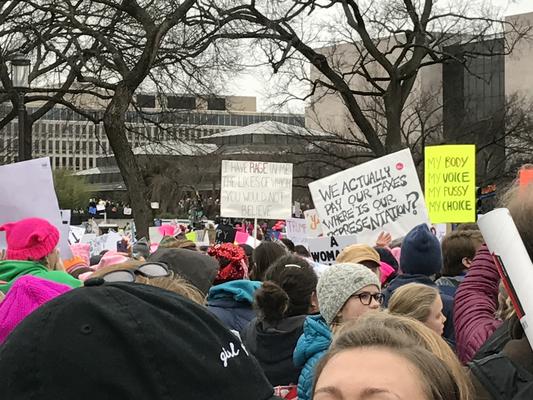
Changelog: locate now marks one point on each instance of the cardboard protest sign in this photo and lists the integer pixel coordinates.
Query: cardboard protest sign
(28, 191)
(380, 195)
(253, 189)
(314, 228)
(450, 183)
(296, 230)
(325, 250)
(513, 263)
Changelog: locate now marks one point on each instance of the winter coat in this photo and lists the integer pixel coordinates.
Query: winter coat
(447, 301)
(310, 348)
(273, 344)
(232, 302)
(10, 270)
(507, 375)
(449, 284)
(476, 302)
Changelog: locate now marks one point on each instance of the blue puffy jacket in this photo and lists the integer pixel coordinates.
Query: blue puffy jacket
(311, 347)
(232, 302)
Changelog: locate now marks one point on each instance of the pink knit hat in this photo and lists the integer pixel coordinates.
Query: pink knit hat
(111, 258)
(30, 239)
(27, 293)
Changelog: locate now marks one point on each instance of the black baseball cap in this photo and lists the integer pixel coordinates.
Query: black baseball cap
(127, 341)
(197, 268)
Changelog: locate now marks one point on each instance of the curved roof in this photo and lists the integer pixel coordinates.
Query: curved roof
(175, 148)
(268, 128)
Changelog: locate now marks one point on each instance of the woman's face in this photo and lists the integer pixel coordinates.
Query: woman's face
(436, 318)
(381, 375)
(354, 307)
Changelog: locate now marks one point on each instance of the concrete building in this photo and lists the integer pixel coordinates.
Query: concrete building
(174, 170)
(75, 143)
(458, 104)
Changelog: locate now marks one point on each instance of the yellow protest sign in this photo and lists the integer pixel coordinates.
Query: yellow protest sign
(191, 236)
(450, 183)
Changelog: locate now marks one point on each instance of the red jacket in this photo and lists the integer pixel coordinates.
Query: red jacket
(476, 302)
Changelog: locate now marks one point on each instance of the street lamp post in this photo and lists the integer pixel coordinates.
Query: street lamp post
(20, 73)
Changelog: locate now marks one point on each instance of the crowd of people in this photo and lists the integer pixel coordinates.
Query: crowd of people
(413, 318)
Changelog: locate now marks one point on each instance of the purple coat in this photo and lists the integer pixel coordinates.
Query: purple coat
(476, 302)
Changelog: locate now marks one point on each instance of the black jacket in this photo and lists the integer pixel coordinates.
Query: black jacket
(507, 375)
(273, 345)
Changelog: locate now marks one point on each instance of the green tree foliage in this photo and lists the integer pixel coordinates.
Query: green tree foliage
(72, 191)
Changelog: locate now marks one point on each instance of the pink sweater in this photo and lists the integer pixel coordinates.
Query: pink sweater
(476, 302)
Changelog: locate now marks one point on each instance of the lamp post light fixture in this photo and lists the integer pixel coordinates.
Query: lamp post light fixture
(20, 79)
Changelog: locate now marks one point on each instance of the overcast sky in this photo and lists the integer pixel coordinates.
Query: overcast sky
(253, 83)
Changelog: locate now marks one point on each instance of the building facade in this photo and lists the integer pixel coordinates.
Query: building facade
(75, 143)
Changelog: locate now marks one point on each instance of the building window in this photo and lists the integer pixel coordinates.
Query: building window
(216, 103)
(145, 101)
(181, 102)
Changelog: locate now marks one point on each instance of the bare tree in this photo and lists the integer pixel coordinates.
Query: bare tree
(368, 52)
(125, 46)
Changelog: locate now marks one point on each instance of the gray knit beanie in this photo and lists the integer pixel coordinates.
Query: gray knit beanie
(338, 283)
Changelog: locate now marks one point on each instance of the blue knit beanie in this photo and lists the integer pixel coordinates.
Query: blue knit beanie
(421, 253)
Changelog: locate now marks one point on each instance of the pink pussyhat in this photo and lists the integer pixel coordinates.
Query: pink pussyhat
(27, 294)
(111, 258)
(30, 239)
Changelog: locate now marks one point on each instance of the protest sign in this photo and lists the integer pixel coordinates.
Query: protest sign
(513, 262)
(450, 183)
(314, 228)
(191, 236)
(76, 234)
(325, 250)
(28, 191)
(379, 195)
(127, 211)
(525, 177)
(253, 189)
(241, 237)
(296, 230)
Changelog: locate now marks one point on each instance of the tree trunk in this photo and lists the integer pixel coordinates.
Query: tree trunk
(115, 127)
(393, 113)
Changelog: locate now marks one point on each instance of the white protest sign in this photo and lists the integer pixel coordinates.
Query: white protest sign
(127, 211)
(100, 207)
(314, 228)
(256, 189)
(325, 250)
(76, 234)
(296, 230)
(28, 191)
(380, 195)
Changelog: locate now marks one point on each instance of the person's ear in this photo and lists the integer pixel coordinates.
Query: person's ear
(467, 262)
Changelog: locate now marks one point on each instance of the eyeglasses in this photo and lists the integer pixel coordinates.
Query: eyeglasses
(366, 298)
(148, 270)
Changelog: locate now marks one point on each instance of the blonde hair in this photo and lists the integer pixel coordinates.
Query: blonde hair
(505, 305)
(413, 300)
(407, 337)
(172, 282)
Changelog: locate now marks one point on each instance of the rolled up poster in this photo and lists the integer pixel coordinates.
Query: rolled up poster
(513, 263)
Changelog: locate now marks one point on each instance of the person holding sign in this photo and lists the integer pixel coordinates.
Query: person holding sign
(32, 250)
(508, 374)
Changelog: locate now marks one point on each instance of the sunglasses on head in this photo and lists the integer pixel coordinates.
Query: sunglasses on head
(148, 270)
